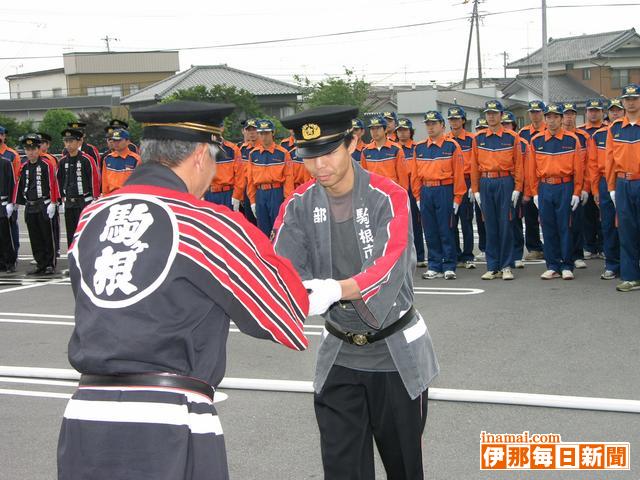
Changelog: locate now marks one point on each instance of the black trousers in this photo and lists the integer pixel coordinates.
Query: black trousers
(41, 237)
(7, 251)
(353, 409)
(71, 218)
(55, 224)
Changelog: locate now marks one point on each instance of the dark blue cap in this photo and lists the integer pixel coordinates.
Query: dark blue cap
(557, 108)
(392, 115)
(404, 123)
(377, 122)
(30, 140)
(456, 112)
(536, 106)
(569, 107)
(265, 125)
(120, 134)
(596, 103)
(3, 130)
(433, 116)
(509, 117)
(493, 106)
(615, 102)
(631, 90)
(357, 123)
(481, 123)
(72, 134)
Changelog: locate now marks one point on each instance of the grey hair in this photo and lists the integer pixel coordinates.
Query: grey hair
(172, 152)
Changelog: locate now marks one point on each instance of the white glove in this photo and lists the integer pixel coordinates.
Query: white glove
(612, 194)
(584, 197)
(477, 196)
(10, 208)
(235, 204)
(253, 209)
(470, 195)
(514, 198)
(51, 210)
(324, 293)
(455, 208)
(61, 208)
(418, 204)
(575, 201)
(535, 201)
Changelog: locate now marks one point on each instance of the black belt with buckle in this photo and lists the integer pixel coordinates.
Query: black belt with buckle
(76, 199)
(366, 338)
(166, 380)
(40, 201)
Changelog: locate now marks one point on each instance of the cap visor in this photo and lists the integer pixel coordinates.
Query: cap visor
(492, 110)
(312, 151)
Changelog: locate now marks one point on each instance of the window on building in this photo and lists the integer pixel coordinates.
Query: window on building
(35, 94)
(586, 74)
(619, 78)
(113, 90)
(57, 92)
(568, 66)
(133, 88)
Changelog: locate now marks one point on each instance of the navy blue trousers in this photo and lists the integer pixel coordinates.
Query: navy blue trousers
(610, 241)
(436, 207)
(532, 227)
(267, 207)
(418, 238)
(498, 212)
(220, 198)
(464, 221)
(554, 202)
(628, 208)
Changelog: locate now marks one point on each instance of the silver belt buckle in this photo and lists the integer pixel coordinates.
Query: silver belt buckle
(359, 339)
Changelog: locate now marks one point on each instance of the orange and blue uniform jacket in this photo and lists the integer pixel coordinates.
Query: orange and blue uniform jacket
(586, 150)
(623, 151)
(554, 156)
(241, 180)
(598, 159)
(529, 131)
(465, 141)
(438, 161)
(591, 128)
(227, 169)
(289, 143)
(269, 166)
(299, 171)
(388, 161)
(117, 168)
(11, 155)
(357, 153)
(496, 152)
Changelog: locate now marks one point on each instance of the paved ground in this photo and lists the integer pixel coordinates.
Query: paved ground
(565, 338)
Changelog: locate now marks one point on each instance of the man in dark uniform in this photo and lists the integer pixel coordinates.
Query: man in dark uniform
(122, 125)
(349, 235)
(78, 180)
(8, 254)
(157, 275)
(37, 189)
(45, 144)
(87, 148)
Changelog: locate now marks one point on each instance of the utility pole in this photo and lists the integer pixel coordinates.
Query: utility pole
(505, 56)
(107, 39)
(545, 55)
(475, 11)
(466, 62)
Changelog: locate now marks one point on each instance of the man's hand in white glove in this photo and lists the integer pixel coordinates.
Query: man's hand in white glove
(235, 204)
(51, 210)
(253, 209)
(10, 209)
(470, 194)
(323, 294)
(575, 201)
(418, 204)
(584, 197)
(514, 198)
(612, 194)
(455, 208)
(535, 201)
(477, 197)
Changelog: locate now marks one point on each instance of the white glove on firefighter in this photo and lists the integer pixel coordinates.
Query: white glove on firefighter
(455, 208)
(10, 208)
(470, 195)
(612, 194)
(61, 208)
(535, 201)
(584, 197)
(514, 198)
(323, 294)
(235, 204)
(418, 204)
(51, 210)
(477, 197)
(253, 209)
(575, 201)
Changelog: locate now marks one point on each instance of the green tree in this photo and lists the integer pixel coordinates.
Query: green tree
(335, 90)
(135, 130)
(94, 131)
(16, 129)
(53, 123)
(246, 103)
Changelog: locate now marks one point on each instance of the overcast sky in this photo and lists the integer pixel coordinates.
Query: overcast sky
(404, 55)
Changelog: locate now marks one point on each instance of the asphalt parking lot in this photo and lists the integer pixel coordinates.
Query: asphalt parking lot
(577, 338)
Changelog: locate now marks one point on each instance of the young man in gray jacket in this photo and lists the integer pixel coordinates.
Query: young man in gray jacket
(348, 233)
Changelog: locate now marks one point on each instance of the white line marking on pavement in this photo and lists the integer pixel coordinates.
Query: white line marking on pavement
(35, 315)
(34, 393)
(35, 322)
(446, 291)
(38, 381)
(33, 285)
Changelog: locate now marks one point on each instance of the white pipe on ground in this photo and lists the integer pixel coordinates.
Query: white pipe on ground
(443, 394)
